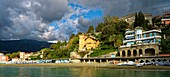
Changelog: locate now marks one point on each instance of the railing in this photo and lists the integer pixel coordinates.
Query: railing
(148, 38)
(140, 39)
(123, 46)
(151, 31)
(129, 35)
(124, 41)
(129, 31)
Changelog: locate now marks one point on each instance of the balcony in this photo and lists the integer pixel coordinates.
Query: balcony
(152, 31)
(129, 35)
(124, 41)
(146, 38)
(124, 46)
(165, 19)
(140, 39)
(129, 31)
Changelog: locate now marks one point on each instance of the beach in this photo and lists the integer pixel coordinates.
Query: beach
(96, 65)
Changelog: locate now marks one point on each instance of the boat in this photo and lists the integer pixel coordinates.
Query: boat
(159, 64)
(167, 64)
(139, 64)
(130, 63)
(162, 63)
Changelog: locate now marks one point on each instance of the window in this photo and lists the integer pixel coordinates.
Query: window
(154, 40)
(159, 40)
(150, 34)
(155, 34)
(138, 36)
(144, 35)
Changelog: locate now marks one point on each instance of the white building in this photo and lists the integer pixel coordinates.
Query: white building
(140, 43)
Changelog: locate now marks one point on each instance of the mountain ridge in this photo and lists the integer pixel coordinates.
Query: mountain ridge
(24, 45)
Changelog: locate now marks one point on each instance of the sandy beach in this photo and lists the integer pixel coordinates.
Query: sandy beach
(97, 65)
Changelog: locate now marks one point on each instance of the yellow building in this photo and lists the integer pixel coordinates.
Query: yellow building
(24, 55)
(87, 42)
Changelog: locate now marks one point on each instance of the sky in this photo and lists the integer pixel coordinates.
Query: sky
(56, 20)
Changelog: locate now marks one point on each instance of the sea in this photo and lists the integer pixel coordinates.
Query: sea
(51, 71)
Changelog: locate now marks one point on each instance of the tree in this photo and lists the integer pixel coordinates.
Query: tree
(99, 27)
(140, 21)
(136, 20)
(15, 55)
(91, 30)
(107, 31)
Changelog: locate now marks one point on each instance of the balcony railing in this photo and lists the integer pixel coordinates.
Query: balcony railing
(129, 31)
(124, 41)
(146, 38)
(140, 39)
(129, 35)
(151, 31)
(124, 46)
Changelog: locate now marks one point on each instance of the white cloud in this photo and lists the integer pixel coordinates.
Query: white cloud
(29, 19)
(71, 25)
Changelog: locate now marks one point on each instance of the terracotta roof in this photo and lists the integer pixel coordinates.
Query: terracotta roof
(168, 54)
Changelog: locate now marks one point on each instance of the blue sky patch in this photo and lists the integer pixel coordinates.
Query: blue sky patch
(93, 14)
(54, 24)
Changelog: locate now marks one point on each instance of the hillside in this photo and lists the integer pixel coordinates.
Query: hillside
(22, 45)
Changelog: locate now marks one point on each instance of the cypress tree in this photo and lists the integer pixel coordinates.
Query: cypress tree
(139, 20)
(135, 23)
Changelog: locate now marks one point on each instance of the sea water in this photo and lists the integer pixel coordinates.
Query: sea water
(39, 71)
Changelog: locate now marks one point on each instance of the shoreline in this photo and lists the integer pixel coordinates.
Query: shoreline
(96, 65)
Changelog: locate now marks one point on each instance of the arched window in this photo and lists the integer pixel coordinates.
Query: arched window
(129, 53)
(134, 52)
(150, 52)
(123, 53)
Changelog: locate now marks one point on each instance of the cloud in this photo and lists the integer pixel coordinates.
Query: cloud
(78, 19)
(84, 24)
(124, 7)
(109, 7)
(150, 6)
(29, 19)
(58, 19)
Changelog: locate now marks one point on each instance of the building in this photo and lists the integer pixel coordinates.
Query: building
(131, 18)
(140, 43)
(87, 42)
(166, 18)
(24, 55)
(3, 58)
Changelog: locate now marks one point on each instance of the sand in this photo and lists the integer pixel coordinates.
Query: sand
(97, 65)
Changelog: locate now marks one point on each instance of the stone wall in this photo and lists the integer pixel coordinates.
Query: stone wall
(139, 50)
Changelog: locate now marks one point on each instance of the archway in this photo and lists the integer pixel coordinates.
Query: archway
(150, 52)
(118, 54)
(153, 60)
(129, 53)
(140, 52)
(159, 60)
(141, 61)
(123, 53)
(147, 61)
(164, 60)
(134, 52)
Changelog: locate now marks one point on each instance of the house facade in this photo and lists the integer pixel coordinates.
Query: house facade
(87, 42)
(166, 18)
(140, 43)
(24, 55)
(3, 57)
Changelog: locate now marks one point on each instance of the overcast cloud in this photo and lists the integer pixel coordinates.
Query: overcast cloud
(58, 19)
